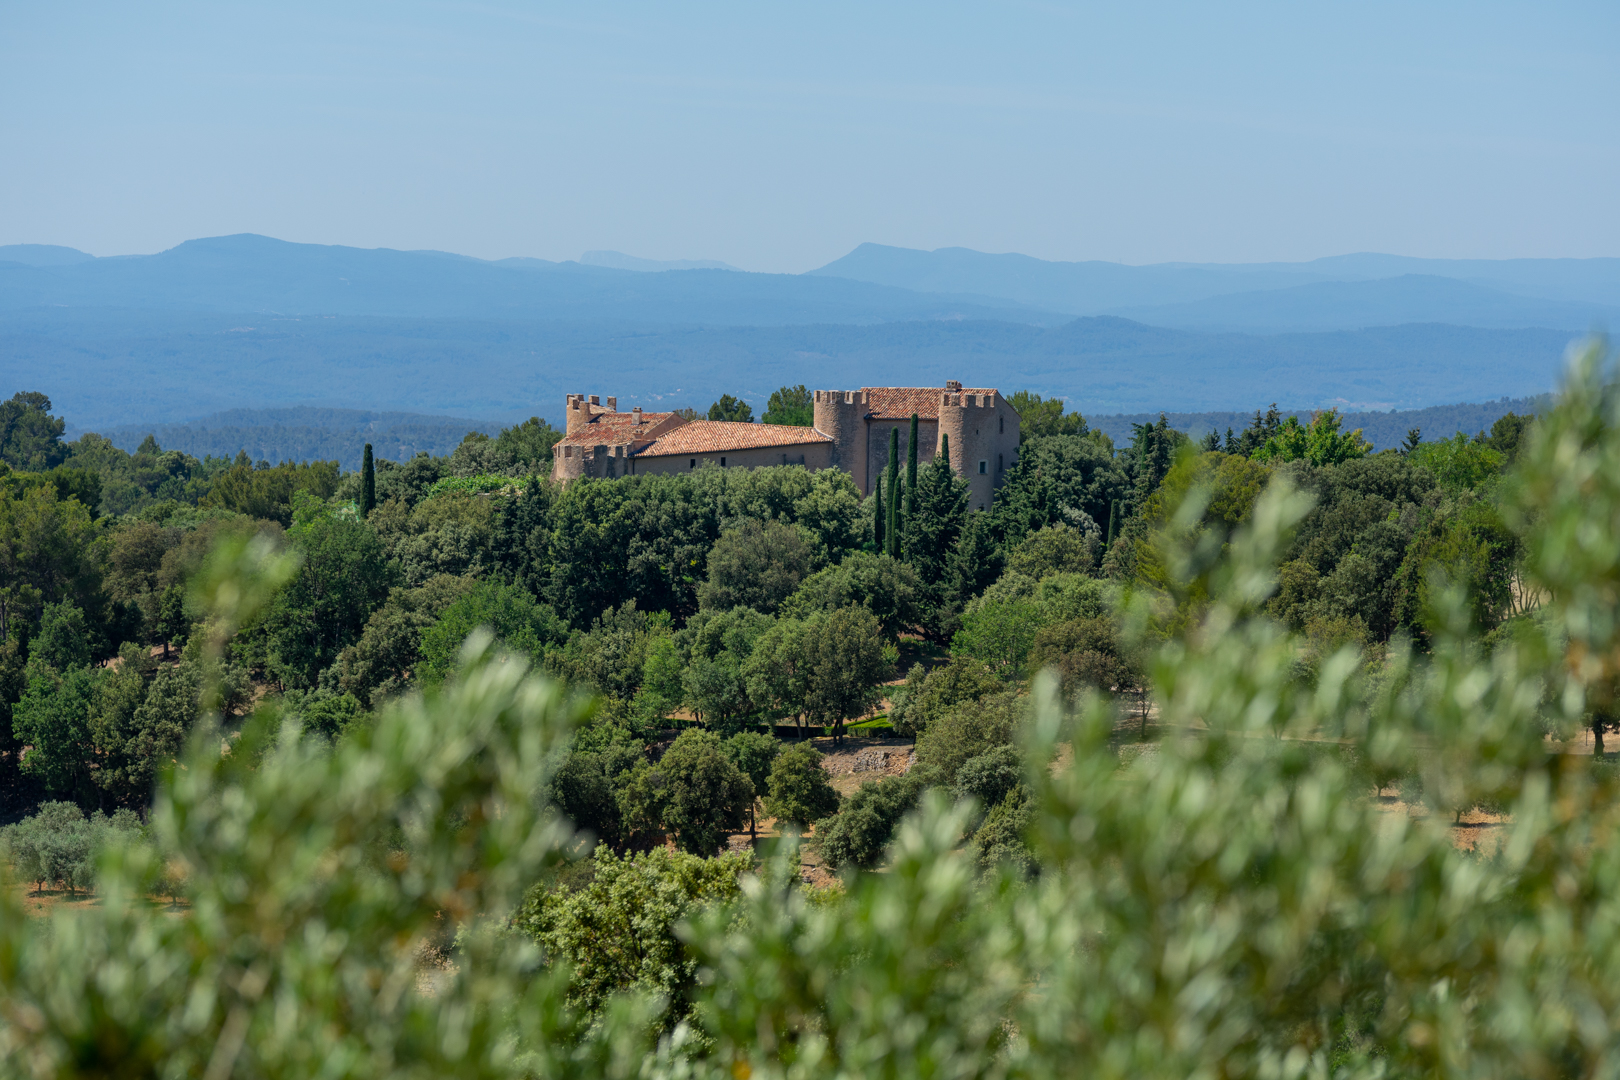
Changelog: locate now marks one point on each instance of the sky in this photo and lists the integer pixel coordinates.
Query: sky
(777, 137)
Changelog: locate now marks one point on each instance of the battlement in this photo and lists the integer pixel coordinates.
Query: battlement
(969, 401)
(842, 397)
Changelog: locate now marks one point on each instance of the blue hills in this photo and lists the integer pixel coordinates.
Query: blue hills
(256, 274)
(236, 321)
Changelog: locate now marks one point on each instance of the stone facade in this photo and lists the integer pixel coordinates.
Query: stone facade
(851, 432)
(982, 426)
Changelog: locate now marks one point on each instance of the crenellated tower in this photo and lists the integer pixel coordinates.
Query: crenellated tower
(841, 415)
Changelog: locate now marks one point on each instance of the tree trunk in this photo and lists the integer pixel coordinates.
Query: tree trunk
(1597, 736)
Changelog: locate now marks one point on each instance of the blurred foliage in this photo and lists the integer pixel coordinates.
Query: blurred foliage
(1231, 901)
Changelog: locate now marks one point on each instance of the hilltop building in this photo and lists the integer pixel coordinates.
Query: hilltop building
(850, 432)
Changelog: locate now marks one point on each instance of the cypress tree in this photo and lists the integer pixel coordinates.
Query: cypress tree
(911, 467)
(945, 448)
(909, 506)
(877, 516)
(1113, 512)
(894, 493)
(368, 484)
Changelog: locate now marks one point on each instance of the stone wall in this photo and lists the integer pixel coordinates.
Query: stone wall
(816, 455)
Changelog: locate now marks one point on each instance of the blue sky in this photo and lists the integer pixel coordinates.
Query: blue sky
(778, 136)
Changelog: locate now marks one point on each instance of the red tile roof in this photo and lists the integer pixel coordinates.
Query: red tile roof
(899, 402)
(614, 428)
(716, 436)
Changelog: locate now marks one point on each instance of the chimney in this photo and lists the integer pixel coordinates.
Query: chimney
(635, 416)
(613, 404)
(953, 385)
(595, 400)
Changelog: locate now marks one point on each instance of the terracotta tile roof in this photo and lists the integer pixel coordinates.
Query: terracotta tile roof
(612, 429)
(717, 436)
(899, 402)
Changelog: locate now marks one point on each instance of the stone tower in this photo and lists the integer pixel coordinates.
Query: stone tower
(983, 430)
(581, 409)
(841, 414)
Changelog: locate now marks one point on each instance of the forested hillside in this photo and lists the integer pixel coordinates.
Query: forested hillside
(110, 368)
(304, 432)
(1214, 710)
(1385, 430)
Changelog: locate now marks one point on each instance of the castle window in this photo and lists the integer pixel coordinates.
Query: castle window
(692, 464)
(1001, 462)
(722, 463)
(984, 467)
(1001, 423)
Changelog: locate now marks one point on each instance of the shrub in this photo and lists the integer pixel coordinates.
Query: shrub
(799, 791)
(616, 933)
(966, 731)
(859, 834)
(693, 792)
(475, 485)
(59, 846)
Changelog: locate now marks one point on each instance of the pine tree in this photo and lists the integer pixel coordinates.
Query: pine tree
(894, 525)
(368, 484)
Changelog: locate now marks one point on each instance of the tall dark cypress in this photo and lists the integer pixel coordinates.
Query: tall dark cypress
(368, 484)
(894, 493)
(878, 519)
(911, 467)
(945, 448)
(1113, 512)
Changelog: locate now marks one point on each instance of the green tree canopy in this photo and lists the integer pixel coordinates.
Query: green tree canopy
(844, 662)
(798, 792)
(52, 720)
(793, 406)
(529, 444)
(617, 932)
(344, 577)
(887, 587)
(757, 565)
(1460, 463)
(860, 833)
(268, 492)
(1040, 417)
(520, 624)
(704, 796)
(1320, 442)
(733, 409)
(1060, 480)
(30, 437)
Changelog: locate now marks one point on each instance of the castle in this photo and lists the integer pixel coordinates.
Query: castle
(850, 432)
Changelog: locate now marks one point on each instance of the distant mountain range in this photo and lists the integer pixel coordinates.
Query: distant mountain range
(1346, 292)
(225, 322)
(258, 275)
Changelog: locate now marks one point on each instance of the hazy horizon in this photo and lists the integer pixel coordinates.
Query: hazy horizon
(678, 263)
(777, 140)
